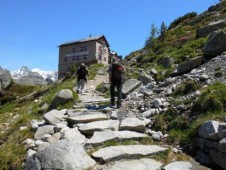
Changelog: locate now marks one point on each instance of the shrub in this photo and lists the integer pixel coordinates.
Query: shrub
(186, 87)
(212, 98)
(180, 19)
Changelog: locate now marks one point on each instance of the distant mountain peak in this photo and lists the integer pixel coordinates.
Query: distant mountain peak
(25, 71)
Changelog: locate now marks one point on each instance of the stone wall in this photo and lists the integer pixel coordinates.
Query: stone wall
(212, 143)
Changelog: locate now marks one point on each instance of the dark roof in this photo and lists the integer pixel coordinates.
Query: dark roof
(85, 40)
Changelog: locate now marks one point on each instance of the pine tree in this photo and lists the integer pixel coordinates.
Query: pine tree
(163, 29)
(153, 34)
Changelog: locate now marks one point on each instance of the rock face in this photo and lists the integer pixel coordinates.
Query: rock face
(63, 154)
(215, 44)
(211, 27)
(5, 78)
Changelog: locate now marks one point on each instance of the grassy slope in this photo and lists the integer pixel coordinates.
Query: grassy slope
(18, 114)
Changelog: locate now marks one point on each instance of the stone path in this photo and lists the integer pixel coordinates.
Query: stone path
(89, 96)
(90, 139)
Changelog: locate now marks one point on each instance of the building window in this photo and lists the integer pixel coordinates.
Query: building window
(105, 59)
(65, 59)
(73, 50)
(100, 57)
(84, 48)
(85, 57)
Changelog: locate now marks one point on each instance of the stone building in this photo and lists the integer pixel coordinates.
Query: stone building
(88, 50)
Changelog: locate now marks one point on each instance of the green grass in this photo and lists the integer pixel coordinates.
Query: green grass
(12, 152)
(93, 70)
(185, 88)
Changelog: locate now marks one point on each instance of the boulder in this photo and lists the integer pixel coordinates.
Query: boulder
(90, 128)
(213, 26)
(166, 62)
(5, 78)
(73, 135)
(208, 128)
(53, 117)
(62, 97)
(145, 78)
(86, 117)
(222, 145)
(43, 130)
(189, 65)
(132, 124)
(215, 44)
(129, 86)
(63, 154)
(218, 158)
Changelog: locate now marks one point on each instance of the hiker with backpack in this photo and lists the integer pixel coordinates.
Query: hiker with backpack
(116, 71)
(82, 73)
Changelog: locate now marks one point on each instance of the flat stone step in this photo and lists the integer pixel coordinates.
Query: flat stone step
(90, 128)
(114, 153)
(137, 164)
(86, 117)
(108, 135)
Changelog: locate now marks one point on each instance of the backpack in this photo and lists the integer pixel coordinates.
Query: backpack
(82, 72)
(117, 71)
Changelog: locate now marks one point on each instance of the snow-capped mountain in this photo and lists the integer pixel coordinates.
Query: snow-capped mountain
(25, 71)
(52, 75)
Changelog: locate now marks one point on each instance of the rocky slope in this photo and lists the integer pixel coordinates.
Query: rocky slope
(96, 133)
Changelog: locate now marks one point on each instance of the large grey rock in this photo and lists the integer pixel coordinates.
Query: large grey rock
(213, 26)
(189, 65)
(54, 138)
(222, 130)
(108, 135)
(53, 117)
(73, 135)
(90, 128)
(218, 157)
(179, 165)
(65, 155)
(5, 78)
(222, 145)
(62, 97)
(166, 62)
(208, 128)
(86, 117)
(113, 153)
(43, 130)
(137, 164)
(215, 44)
(133, 124)
(130, 86)
(145, 78)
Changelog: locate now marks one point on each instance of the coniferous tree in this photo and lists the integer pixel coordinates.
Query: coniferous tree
(153, 34)
(163, 29)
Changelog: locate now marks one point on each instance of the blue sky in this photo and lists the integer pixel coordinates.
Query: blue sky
(30, 31)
